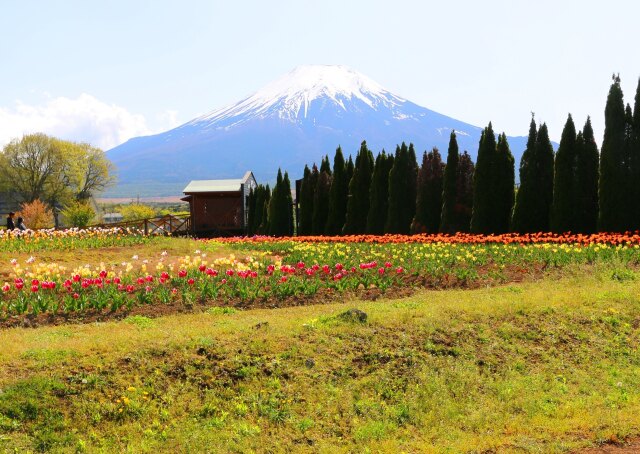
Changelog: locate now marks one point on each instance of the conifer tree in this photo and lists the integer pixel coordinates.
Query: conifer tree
(379, 194)
(274, 210)
(337, 196)
(586, 181)
(565, 191)
(429, 194)
(325, 166)
(632, 170)
(523, 213)
(359, 186)
(263, 222)
(350, 169)
(412, 182)
(251, 209)
(634, 162)
(321, 199)
(281, 207)
(307, 191)
(504, 185)
(613, 168)
(483, 195)
(286, 206)
(402, 191)
(464, 194)
(449, 188)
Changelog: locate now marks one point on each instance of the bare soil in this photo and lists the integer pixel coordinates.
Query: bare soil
(631, 446)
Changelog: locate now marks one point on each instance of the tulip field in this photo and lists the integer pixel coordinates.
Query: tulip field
(270, 269)
(267, 270)
(113, 341)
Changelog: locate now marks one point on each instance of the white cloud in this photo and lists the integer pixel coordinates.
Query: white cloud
(83, 119)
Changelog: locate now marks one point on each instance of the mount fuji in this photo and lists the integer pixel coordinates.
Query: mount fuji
(290, 122)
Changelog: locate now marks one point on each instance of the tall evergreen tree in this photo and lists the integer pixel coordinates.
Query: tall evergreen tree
(483, 196)
(412, 183)
(402, 191)
(634, 162)
(523, 215)
(613, 168)
(307, 191)
(464, 194)
(263, 221)
(325, 166)
(565, 191)
(359, 186)
(429, 194)
(274, 210)
(321, 199)
(251, 208)
(586, 181)
(449, 188)
(281, 207)
(379, 194)
(337, 196)
(287, 206)
(350, 169)
(633, 170)
(504, 185)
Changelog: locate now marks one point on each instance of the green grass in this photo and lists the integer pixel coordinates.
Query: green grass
(547, 366)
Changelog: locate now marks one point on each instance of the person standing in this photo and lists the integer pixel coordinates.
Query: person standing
(20, 225)
(10, 224)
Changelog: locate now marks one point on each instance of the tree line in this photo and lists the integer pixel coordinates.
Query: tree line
(575, 189)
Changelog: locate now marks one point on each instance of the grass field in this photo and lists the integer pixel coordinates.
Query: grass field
(538, 366)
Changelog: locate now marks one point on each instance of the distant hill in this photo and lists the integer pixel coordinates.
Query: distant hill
(290, 122)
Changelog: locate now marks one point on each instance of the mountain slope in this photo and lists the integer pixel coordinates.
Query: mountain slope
(290, 122)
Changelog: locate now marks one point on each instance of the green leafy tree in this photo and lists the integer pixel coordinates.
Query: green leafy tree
(429, 194)
(448, 222)
(379, 194)
(613, 206)
(337, 196)
(78, 214)
(136, 212)
(359, 187)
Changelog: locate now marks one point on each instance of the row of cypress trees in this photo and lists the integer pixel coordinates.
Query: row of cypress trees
(575, 189)
(390, 194)
(270, 212)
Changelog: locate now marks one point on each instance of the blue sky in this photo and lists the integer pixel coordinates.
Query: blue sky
(107, 71)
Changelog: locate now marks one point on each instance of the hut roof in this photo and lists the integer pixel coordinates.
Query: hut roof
(229, 185)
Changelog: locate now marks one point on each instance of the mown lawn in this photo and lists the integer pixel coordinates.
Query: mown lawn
(548, 366)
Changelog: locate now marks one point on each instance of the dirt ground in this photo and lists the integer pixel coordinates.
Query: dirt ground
(629, 447)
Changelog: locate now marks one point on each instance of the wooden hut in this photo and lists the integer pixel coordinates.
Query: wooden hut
(219, 207)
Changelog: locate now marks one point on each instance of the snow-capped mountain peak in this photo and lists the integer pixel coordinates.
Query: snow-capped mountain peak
(290, 96)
